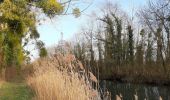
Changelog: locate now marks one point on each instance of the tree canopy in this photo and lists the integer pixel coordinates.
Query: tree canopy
(18, 22)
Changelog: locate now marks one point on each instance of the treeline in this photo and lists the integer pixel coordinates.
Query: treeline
(113, 44)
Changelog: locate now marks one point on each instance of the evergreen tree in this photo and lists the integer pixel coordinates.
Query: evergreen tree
(131, 45)
(149, 51)
(140, 49)
(118, 25)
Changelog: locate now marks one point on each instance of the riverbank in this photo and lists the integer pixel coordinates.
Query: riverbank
(147, 75)
(138, 80)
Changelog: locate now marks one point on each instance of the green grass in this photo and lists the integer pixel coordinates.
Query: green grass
(15, 91)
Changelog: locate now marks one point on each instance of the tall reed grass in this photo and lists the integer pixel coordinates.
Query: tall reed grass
(61, 78)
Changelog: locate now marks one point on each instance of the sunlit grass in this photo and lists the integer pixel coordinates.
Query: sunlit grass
(14, 91)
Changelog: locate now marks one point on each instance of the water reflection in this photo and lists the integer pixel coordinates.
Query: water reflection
(129, 91)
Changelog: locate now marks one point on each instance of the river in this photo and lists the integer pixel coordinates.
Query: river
(128, 91)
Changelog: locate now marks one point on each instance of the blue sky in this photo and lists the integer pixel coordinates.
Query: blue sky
(50, 30)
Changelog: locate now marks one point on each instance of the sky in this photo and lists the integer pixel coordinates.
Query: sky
(50, 30)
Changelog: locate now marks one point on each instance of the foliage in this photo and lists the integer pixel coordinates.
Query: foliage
(18, 21)
(50, 7)
(149, 51)
(43, 52)
(76, 12)
(131, 44)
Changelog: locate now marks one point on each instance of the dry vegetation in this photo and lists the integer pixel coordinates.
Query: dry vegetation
(61, 78)
(135, 74)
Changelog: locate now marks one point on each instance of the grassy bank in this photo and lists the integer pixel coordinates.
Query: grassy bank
(15, 91)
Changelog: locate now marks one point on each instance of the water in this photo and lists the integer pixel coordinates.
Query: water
(144, 92)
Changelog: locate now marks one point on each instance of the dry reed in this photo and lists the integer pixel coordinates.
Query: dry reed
(61, 78)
